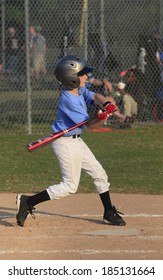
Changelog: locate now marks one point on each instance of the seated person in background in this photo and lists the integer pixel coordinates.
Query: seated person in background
(129, 103)
(105, 87)
(101, 85)
(135, 87)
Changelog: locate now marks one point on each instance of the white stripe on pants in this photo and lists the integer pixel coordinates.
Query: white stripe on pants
(73, 156)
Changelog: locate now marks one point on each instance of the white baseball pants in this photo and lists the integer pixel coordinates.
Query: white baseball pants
(73, 156)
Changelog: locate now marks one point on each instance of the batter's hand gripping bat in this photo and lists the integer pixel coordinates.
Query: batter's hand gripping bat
(52, 137)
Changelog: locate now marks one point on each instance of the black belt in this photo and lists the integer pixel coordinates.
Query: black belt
(75, 136)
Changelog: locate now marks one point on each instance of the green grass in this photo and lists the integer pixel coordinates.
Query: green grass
(133, 160)
(14, 111)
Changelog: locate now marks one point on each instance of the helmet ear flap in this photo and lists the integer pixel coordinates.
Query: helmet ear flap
(71, 81)
(68, 70)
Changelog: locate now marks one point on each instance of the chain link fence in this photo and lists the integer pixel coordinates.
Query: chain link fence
(122, 39)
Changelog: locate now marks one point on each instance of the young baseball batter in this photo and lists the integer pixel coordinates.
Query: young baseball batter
(72, 153)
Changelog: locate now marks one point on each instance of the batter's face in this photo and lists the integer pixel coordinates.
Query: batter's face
(83, 80)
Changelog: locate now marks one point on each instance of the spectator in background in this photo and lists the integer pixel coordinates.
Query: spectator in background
(99, 85)
(103, 60)
(67, 39)
(157, 112)
(160, 92)
(150, 68)
(39, 54)
(135, 88)
(12, 48)
(105, 87)
(112, 64)
(160, 61)
(97, 54)
(32, 36)
(129, 103)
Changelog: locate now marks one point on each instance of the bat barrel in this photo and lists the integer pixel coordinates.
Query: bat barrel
(52, 137)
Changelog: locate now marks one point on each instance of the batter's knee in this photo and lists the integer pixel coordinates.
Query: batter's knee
(101, 181)
(61, 190)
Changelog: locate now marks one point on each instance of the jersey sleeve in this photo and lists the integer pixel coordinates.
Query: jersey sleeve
(88, 94)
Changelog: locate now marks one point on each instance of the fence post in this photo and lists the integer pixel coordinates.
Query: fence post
(28, 78)
(3, 33)
(161, 19)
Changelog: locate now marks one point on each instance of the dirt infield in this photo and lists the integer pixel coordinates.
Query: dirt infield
(72, 229)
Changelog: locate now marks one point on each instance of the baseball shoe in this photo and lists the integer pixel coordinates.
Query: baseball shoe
(112, 217)
(23, 209)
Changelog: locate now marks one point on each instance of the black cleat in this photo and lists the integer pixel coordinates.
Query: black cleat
(23, 209)
(112, 217)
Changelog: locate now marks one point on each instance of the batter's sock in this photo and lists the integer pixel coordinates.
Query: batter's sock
(38, 198)
(106, 201)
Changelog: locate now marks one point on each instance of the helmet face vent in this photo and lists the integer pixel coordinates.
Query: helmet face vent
(73, 65)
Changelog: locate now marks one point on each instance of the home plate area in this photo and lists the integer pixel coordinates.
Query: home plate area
(72, 229)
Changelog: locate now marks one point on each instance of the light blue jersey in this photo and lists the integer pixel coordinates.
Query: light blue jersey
(72, 110)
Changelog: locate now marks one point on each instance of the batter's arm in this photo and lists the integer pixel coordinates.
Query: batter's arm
(99, 99)
(105, 103)
(95, 123)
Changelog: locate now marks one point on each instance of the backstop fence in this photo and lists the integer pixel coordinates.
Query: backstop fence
(123, 39)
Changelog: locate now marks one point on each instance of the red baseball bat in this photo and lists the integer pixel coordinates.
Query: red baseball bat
(52, 137)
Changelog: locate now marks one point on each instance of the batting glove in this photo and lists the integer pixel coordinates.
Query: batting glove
(110, 107)
(102, 115)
